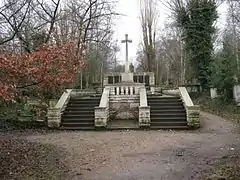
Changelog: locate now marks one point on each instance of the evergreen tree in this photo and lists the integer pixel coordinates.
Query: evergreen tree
(196, 19)
(224, 70)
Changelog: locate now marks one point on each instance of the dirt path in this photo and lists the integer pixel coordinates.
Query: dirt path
(155, 155)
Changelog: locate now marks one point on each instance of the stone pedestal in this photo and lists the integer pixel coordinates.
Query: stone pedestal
(127, 77)
(144, 116)
(54, 117)
(213, 93)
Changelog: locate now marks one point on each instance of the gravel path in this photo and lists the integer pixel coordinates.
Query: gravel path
(145, 155)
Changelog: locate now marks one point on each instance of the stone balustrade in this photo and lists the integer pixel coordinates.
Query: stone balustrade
(102, 112)
(193, 111)
(127, 90)
(54, 114)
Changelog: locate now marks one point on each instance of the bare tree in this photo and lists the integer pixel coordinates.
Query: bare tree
(148, 17)
(89, 23)
(25, 20)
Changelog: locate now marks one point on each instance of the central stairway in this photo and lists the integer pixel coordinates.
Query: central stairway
(167, 112)
(79, 113)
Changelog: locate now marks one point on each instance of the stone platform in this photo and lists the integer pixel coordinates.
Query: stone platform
(122, 124)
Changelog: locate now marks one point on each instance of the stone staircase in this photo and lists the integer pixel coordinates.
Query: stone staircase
(167, 112)
(79, 113)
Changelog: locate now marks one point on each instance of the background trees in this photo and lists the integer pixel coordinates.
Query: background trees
(46, 39)
(196, 19)
(148, 18)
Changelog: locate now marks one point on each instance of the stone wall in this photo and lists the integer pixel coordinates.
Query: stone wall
(123, 107)
(139, 74)
(54, 114)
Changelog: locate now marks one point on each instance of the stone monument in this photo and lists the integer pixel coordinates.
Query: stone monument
(127, 76)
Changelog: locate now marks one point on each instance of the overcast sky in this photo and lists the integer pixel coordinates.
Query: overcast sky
(130, 24)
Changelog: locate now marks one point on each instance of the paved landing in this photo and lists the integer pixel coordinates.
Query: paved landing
(123, 124)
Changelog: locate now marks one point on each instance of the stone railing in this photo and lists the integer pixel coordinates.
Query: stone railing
(125, 89)
(193, 111)
(144, 109)
(54, 114)
(102, 112)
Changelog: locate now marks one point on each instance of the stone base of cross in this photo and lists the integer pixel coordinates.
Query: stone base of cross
(127, 77)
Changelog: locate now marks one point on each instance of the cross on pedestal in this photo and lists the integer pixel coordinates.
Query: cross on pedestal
(126, 41)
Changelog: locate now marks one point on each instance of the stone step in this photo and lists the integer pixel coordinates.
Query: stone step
(169, 127)
(180, 107)
(73, 120)
(77, 108)
(77, 124)
(79, 111)
(86, 97)
(169, 123)
(165, 104)
(80, 116)
(164, 100)
(77, 128)
(87, 101)
(181, 114)
(82, 104)
(165, 118)
(167, 111)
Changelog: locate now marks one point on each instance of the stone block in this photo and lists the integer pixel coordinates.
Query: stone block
(101, 117)
(144, 116)
(54, 117)
(193, 116)
(127, 77)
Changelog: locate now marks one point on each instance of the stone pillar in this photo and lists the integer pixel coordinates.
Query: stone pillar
(54, 117)
(105, 80)
(193, 116)
(144, 116)
(126, 89)
(117, 90)
(122, 90)
(131, 90)
(152, 82)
